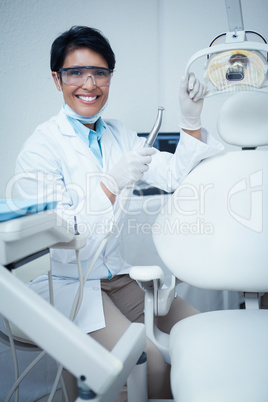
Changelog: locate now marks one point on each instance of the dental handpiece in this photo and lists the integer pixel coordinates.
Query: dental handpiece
(155, 130)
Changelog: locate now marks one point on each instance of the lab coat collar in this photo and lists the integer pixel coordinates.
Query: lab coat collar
(66, 127)
(67, 130)
(64, 124)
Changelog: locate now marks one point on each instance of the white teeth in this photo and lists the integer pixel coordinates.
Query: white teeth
(87, 98)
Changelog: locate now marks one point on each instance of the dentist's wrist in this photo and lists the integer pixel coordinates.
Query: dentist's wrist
(108, 193)
(194, 133)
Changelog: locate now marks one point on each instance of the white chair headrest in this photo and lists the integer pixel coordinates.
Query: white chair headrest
(243, 119)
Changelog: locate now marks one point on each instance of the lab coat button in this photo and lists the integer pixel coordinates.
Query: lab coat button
(105, 260)
(95, 288)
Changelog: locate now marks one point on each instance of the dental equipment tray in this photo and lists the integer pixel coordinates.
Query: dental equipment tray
(30, 234)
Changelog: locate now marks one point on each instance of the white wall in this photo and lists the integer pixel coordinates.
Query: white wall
(152, 40)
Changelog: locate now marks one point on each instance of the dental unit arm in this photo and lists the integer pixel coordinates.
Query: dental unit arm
(100, 373)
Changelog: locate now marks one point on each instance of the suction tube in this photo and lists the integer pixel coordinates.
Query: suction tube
(155, 130)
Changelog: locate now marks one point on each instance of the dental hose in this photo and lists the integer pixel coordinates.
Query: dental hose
(79, 295)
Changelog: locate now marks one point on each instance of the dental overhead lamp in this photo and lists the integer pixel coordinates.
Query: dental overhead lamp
(237, 64)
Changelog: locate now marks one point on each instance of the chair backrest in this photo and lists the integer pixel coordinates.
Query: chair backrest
(214, 229)
(243, 120)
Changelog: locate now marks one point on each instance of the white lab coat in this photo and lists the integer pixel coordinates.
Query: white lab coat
(55, 164)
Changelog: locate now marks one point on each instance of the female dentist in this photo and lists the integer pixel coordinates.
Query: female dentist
(84, 162)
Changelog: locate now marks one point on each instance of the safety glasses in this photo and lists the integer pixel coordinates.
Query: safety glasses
(78, 76)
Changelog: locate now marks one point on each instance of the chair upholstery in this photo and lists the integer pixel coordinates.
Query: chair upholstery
(215, 227)
(220, 356)
(215, 232)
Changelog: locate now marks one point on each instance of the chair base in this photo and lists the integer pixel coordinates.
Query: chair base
(220, 356)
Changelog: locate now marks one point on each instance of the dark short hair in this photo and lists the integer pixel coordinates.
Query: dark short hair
(77, 37)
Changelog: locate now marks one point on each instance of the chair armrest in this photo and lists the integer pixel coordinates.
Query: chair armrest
(151, 278)
(158, 299)
(147, 273)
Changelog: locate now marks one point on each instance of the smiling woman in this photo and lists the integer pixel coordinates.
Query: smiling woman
(85, 163)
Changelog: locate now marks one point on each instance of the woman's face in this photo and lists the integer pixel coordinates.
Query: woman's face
(88, 99)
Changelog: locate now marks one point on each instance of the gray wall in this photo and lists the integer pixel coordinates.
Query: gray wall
(152, 39)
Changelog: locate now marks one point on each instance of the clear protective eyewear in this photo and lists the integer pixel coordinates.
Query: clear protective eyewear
(77, 76)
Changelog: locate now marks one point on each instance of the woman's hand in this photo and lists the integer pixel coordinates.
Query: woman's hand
(130, 168)
(191, 104)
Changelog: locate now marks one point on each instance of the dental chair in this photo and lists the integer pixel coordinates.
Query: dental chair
(215, 236)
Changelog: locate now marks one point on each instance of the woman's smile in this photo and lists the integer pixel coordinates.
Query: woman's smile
(87, 98)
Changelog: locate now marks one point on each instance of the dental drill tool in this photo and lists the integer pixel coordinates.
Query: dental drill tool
(155, 130)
